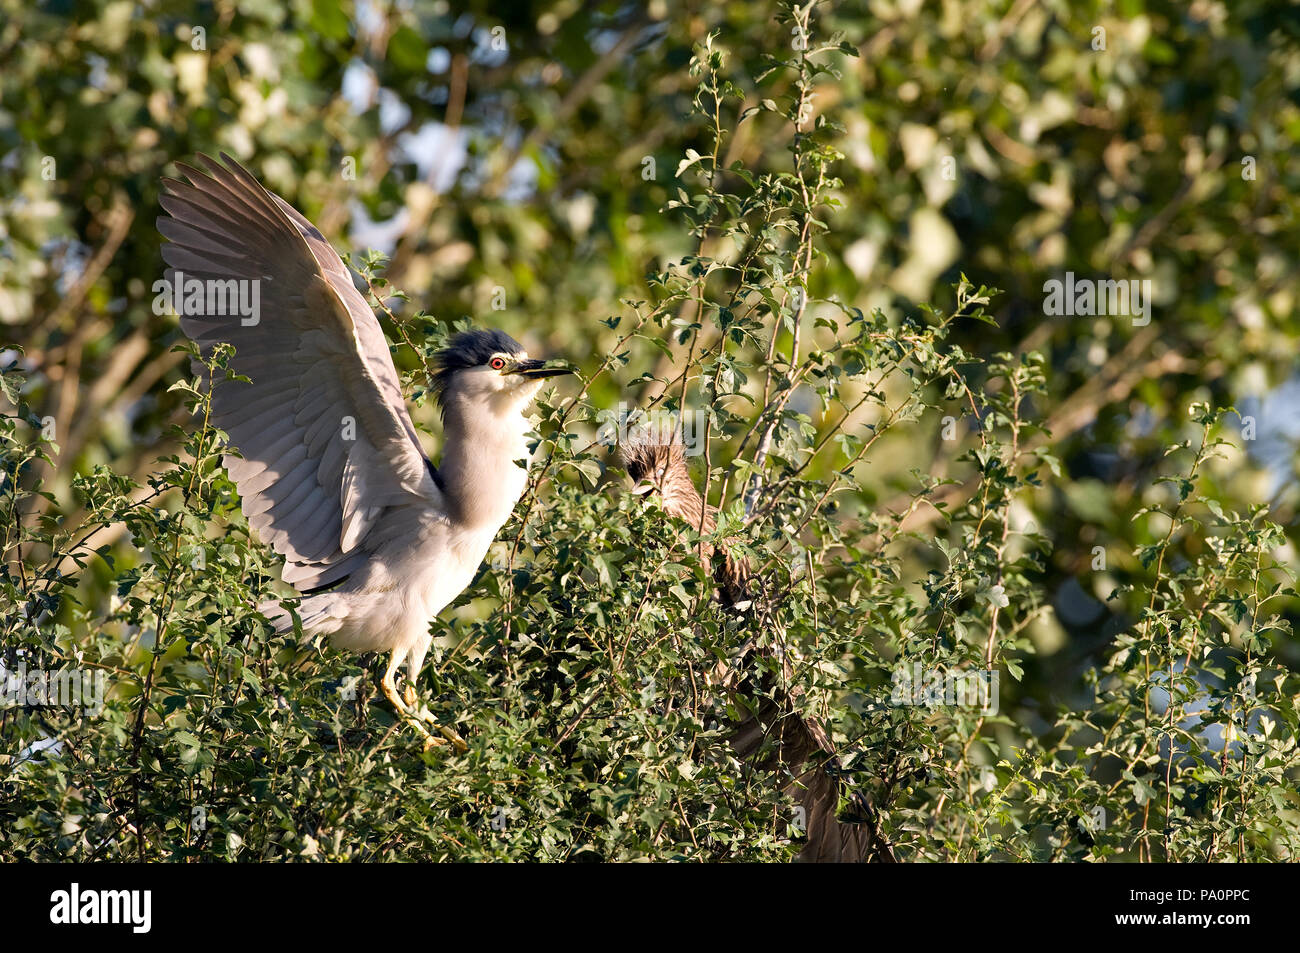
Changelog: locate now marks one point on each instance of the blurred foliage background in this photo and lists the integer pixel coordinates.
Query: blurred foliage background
(518, 165)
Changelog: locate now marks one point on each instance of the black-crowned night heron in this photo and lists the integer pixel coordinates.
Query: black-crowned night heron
(773, 735)
(330, 471)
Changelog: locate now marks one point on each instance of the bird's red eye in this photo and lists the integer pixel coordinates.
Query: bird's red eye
(496, 363)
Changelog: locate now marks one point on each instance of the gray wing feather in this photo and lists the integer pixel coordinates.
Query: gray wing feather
(325, 442)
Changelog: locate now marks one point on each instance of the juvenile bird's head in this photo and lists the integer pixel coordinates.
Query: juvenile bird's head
(488, 370)
(657, 464)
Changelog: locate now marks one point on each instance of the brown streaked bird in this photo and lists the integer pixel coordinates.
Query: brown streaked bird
(775, 736)
(330, 472)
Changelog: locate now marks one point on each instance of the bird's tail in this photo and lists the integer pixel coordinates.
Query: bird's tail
(276, 614)
(315, 611)
(799, 748)
(803, 750)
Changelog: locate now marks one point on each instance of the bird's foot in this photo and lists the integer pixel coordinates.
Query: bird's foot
(421, 718)
(422, 714)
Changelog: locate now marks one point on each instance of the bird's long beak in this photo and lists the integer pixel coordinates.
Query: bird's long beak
(642, 488)
(535, 369)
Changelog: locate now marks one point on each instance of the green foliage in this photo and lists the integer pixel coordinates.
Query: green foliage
(963, 488)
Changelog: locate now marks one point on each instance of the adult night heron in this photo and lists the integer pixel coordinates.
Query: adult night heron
(330, 472)
(772, 734)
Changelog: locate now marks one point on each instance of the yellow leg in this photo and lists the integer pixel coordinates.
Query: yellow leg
(421, 712)
(417, 718)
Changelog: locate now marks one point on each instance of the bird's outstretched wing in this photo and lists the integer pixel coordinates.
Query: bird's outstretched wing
(326, 441)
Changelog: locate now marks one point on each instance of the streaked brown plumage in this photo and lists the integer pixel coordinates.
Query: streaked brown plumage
(799, 746)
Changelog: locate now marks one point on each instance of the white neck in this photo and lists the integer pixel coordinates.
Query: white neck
(478, 472)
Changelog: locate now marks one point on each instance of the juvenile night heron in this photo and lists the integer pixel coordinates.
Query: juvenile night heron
(330, 472)
(773, 734)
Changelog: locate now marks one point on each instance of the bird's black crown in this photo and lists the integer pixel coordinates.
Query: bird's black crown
(470, 349)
